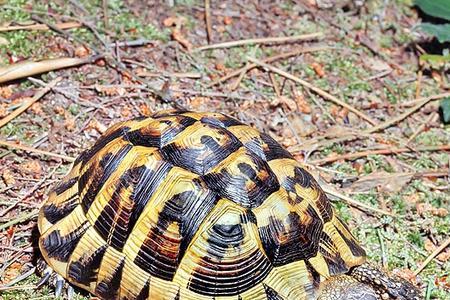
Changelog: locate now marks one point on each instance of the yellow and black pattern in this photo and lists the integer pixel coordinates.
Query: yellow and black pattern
(187, 205)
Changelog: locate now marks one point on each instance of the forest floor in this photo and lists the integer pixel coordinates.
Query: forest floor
(345, 94)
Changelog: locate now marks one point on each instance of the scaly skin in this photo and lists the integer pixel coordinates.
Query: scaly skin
(366, 282)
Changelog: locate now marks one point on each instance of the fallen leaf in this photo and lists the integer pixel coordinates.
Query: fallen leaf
(81, 51)
(145, 110)
(406, 274)
(96, 125)
(5, 92)
(227, 20)
(302, 104)
(33, 168)
(37, 109)
(387, 182)
(318, 69)
(69, 123)
(179, 37)
(8, 177)
(3, 110)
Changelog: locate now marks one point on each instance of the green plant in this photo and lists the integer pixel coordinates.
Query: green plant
(439, 9)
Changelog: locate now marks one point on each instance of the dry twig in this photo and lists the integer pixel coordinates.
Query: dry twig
(61, 26)
(317, 90)
(432, 255)
(208, 20)
(351, 156)
(421, 102)
(353, 202)
(269, 40)
(27, 104)
(34, 150)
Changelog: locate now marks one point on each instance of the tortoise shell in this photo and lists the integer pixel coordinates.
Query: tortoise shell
(187, 205)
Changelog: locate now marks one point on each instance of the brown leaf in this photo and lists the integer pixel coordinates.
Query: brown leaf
(5, 92)
(179, 37)
(37, 109)
(3, 110)
(70, 124)
(145, 110)
(8, 177)
(96, 125)
(81, 51)
(318, 69)
(302, 104)
(406, 274)
(227, 20)
(387, 182)
(33, 168)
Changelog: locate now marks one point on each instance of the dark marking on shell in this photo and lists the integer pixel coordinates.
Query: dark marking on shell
(101, 143)
(188, 210)
(55, 213)
(271, 294)
(65, 185)
(355, 248)
(234, 187)
(272, 149)
(60, 247)
(143, 294)
(195, 160)
(85, 270)
(109, 288)
(289, 240)
(100, 174)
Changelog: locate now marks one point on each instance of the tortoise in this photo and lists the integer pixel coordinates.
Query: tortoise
(190, 205)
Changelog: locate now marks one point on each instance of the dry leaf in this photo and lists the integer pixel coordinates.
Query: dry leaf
(81, 51)
(8, 177)
(405, 274)
(179, 37)
(37, 109)
(3, 110)
(145, 110)
(5, 92)
(125, 112)
(32, 167)
(69, 123)
(302, 104)
(227, 20)
(96, 125)
(318, 69)
(59, 110)
(387, 182)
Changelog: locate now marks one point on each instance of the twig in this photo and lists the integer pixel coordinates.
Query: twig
(238, 81)
(27, 104)
(432, 255)
(60, 26)
(433, 116)
(165, 74)
(134, 43)
(351, 156)
(351, 201)
(269, 40)
(20, 219)
(208, 20)
(248, 67)
(317, 90)
(392, 121)
(31, 149)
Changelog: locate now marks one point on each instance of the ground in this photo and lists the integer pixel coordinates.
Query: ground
(365, 55)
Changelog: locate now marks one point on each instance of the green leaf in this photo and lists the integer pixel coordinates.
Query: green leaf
(441, 31)
(435, 8)
(445, 110)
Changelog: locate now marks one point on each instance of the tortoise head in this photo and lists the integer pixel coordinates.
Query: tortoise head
(366, 282)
